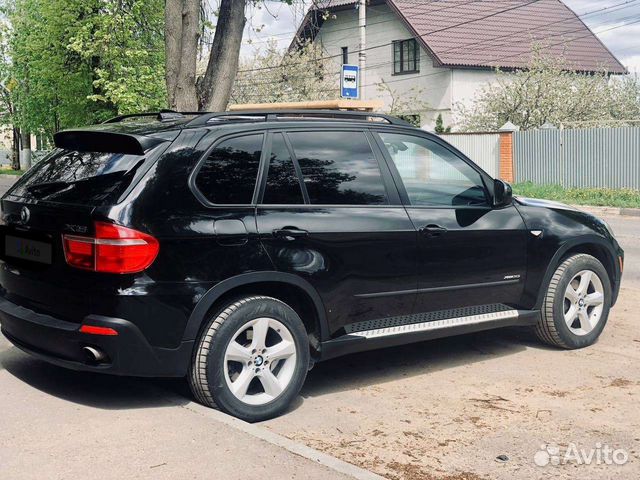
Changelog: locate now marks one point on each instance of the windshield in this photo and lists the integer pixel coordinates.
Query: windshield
(89, 178)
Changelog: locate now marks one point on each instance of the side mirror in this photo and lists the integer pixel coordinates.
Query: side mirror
(502, 193)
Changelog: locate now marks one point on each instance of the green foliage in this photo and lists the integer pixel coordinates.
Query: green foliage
(76, 62)
(549, 91)
(440, 128)
(124, 42)
(608, 197)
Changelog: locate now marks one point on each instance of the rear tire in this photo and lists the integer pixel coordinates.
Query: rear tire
(251, 359)
(576, 305)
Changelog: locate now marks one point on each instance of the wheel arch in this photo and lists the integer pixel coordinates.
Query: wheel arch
(592, 245)
(289, 288)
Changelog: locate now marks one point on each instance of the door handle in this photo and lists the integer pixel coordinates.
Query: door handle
(433, 230)
(289, 233)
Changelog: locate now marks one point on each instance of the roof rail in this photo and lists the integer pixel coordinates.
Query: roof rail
(295, 114)
(162, 116)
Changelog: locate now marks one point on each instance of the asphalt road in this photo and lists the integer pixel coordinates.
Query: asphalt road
(439, 409)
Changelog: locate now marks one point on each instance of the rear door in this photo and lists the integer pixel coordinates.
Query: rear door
(330, 213)
(470, 253)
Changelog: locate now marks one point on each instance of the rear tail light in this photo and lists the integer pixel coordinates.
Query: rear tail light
(113, 249)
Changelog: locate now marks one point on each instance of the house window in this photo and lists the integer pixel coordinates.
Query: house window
(345, 55)
(406, 56)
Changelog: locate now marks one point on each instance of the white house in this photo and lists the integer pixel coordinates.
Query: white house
(449, 50)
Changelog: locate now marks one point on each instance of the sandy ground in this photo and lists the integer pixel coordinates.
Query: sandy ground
(448, 408)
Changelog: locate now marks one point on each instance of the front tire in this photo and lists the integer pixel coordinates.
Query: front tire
(251, 359)
(576, 305)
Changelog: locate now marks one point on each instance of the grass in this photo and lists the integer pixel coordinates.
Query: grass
(10, 171)
(605, 197)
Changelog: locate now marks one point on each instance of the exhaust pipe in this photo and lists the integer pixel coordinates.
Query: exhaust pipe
(93, 355)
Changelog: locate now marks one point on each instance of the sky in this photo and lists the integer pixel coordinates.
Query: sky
(278, 21)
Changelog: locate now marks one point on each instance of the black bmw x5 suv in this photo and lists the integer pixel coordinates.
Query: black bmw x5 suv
(239, 249)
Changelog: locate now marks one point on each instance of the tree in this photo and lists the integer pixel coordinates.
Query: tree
(276, 75)
(77, 62)
(406, 105)
(186, 23)
(549, 91)
(212, 91)
(7, 106)
(440, 128)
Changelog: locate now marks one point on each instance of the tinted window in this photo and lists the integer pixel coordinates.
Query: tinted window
(339, 168)
(228, 175)
(432, 174)
(88, 178)
(282, 186)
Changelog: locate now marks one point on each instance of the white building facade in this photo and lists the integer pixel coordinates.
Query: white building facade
(432, 57)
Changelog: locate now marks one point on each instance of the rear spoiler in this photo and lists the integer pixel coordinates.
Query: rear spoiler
(105, 142)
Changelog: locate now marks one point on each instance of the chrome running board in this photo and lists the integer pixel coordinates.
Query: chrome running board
(438, 324)
(402, 330)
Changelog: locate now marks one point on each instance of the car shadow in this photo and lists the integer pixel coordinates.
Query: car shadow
(384, 365)
(93, 389)
(343, 373)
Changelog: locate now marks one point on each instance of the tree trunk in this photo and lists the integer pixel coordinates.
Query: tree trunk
(214, 89)
(15, 149)
(186, 99)
(25, 154)
(173, 47)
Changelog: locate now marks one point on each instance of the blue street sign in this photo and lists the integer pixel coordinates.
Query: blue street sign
(349, 81)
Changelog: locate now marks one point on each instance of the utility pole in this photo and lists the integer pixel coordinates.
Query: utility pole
(362, 55)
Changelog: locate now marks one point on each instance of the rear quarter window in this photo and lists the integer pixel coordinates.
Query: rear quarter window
(228, 174)
(87, 178)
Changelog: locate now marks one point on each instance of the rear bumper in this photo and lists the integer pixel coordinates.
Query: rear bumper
(60, 342)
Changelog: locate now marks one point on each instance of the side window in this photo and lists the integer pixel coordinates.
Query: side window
(433, 175)
(228, 175)
(339, 168)
(282, 186)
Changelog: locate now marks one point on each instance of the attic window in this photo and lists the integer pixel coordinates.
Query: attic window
(406, 56)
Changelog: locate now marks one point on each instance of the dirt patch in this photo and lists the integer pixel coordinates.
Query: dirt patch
(447, 409)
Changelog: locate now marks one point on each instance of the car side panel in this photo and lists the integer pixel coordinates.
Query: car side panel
(561, 229)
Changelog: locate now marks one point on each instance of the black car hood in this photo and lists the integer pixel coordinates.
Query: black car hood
(537, 202)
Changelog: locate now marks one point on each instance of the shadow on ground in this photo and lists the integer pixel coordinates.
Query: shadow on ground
(380, 366)
(352, 371)
(92, 389)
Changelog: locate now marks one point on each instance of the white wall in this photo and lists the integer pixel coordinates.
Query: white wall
(432, 84)
(467, 84)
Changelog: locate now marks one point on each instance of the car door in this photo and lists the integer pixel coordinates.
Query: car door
(330, 213)
(470, 254)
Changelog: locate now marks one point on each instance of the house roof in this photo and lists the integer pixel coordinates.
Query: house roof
(489, 34)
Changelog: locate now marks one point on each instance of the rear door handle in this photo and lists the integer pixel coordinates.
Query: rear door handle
(289, 233)
(432, 230)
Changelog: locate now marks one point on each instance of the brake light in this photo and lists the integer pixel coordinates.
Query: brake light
(113, 249)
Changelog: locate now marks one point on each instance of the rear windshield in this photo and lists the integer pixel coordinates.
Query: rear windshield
(88, 178)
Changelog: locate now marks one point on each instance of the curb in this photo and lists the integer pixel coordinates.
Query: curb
(623, 211)
(296, 448)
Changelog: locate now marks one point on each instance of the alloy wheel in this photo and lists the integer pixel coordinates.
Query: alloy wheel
(260, 361)
(583, 302)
